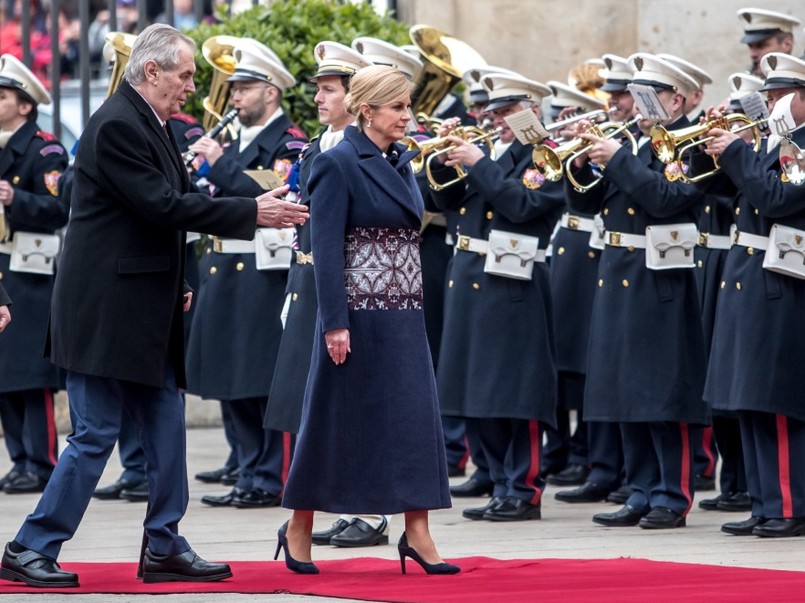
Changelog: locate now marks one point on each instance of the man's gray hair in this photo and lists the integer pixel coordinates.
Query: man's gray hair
(160, 43)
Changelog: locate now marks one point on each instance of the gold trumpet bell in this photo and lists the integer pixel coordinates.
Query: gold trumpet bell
(218, 51)
(119, 48)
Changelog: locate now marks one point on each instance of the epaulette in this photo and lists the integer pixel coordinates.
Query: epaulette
(296, 132)
(188, 119)
(46, 136)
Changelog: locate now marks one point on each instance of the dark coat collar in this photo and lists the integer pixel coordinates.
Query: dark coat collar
(381, 172)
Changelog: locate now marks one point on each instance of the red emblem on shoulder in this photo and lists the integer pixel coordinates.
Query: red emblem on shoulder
(46, 136)
(296, 132)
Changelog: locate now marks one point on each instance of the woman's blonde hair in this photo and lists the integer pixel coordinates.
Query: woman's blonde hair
(375, 85)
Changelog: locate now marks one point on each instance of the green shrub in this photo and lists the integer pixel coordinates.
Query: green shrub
(292, 28)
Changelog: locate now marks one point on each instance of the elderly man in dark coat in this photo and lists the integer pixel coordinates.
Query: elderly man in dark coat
(116, 317)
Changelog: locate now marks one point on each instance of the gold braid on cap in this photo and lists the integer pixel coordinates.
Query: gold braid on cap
(586, 77)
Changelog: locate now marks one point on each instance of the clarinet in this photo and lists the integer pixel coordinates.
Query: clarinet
(215, 131)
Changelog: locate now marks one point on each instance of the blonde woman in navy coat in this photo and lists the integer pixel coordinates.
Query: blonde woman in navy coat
(371, 438)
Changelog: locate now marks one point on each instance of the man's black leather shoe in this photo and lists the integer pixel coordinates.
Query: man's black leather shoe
(710, 504)
(112, 492)
(25, 484)
(225, 500)
(742, 528)
(359, 533)
(187, 567)
(702, 483)
(735, 502)
(572, 475)
(780, 528)
(323, 538)
(620, 496)
(35, 570)
(514, 509)
(662, 518)
(455, 471)
(9, 477)
(255, 499)
(477, 513)
(623, 517)
(472, 487)
(137, 494)
(587, 493)
(212, 477)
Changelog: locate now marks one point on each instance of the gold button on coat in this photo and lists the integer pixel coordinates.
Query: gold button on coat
(239, 266)
(462, 211)
(591, 255)
(295, 296)
(450, 284)
(600, 282)
(630, 211)
(489, 215)
(625, 283)
(707, 209)
(476, 286)
(560, 251)
(213, 270)
(738, 286)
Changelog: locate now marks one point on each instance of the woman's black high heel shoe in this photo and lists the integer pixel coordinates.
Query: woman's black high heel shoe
(300, 567)
(430, 568)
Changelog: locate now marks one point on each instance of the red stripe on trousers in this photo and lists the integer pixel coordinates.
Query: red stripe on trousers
(784, 466)
(686, 465)
(533, 469)
(707, 446)
(50, 415)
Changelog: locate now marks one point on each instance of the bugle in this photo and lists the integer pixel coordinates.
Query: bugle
(553, 163)
(435, 147)
(215, 131)
(671, 147)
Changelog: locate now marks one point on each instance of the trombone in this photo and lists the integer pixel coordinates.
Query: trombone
(553, 163)
(670, 147)
(430, 149)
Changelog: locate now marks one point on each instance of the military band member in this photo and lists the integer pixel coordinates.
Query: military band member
(766, 31)
(646, 356)
(705, 453)
(565, 455)
(498, 323)
(715, 238)
(754, 365)
(31, 164)
(236, 330)
(573, 311)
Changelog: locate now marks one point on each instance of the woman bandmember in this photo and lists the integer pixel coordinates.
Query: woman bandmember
(370, 412)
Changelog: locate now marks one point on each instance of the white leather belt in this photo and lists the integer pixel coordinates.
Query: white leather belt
(220, 245)
(745, 239)
(714, 241)
(465, 243)
(622, 239)
(481, 247)
(5, 248)
(572, 222)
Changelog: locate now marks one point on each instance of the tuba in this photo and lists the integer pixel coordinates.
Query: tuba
(445, 60)
(218, 52)
(117, 51)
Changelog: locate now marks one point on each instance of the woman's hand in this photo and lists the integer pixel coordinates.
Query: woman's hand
(337, 342)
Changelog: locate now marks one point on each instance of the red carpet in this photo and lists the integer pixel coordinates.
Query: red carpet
(483, 580)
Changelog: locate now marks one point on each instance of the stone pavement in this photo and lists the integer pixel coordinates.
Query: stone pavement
(111, 531)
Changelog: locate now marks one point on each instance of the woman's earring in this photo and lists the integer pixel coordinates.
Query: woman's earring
(369, 125)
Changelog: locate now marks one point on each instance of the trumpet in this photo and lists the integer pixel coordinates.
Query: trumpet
(215, 131)
(430, 149)
(598, 115)
(670, 147)
(553, 163)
